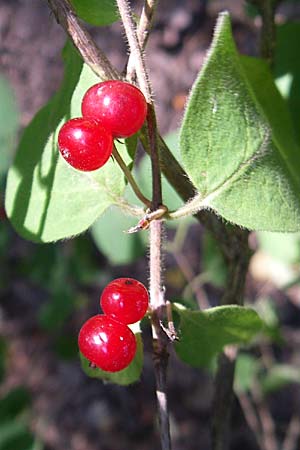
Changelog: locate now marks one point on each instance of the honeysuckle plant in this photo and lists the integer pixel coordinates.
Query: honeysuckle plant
(237, 170)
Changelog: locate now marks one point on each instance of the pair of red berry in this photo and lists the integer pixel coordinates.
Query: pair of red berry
(111, 109)
(105, 339)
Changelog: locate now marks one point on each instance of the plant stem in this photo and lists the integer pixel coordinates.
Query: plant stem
(292, 435)
(250, 416)
(268, 30)
(144, 28)
(135, 49)
(268, 427)
(130, 178)
(237, 259)
(160, 351)
(141, 72)
(90, 52)
(157, 299)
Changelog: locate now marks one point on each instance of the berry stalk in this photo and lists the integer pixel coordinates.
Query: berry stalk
(130, 178)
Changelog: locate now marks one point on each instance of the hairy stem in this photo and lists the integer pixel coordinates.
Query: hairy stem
(143, 32)
(89, 51)
(160, 350)
(135, 49)
(130, 178)
(268, 29)
(142, 76)
(157, 299)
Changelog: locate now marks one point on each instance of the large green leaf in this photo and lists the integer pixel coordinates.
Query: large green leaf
(237, 141)
(129, 375)
(46, 199)
(203, 334)
(96, 12)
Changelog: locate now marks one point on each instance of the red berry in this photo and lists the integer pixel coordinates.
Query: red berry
(108, 344)
(85, 144)
(125, 300)
(119, 106)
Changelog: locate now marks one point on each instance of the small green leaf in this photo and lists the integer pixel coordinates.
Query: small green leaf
(46, 199)
(129, 375)
(245, 371)
(203, 334)
(96, 12)
(237, 141)
(280, 376)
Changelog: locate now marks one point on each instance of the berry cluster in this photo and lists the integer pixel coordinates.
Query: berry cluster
(111, 109)
(105, 339)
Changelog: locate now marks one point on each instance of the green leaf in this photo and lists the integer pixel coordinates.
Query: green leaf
(129, 375)
(203, 334)
(96, 12)
(110, 237)
(280, 376)
(9, 122)
(245, 371)
(46, 199)
(237, 141)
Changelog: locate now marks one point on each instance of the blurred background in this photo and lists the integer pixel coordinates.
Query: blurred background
(48, 291)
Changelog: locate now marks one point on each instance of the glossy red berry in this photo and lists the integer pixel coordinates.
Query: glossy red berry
(85, 144)
(125, 300)
(119, 106)
(108, 344)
